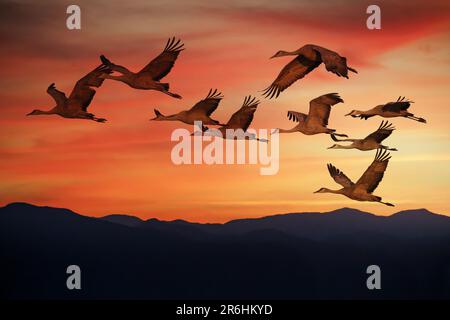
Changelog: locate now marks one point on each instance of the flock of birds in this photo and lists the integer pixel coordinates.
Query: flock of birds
(307, 58)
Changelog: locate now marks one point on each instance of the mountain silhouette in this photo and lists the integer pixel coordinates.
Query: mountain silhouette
(287, 256)
(124, 219)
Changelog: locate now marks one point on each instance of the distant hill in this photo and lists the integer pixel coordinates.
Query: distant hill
(292, 256)
(124, 219)
(311, 225)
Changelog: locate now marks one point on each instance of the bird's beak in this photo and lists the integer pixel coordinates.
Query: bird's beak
(274, 56)
(348, 114)
(316, 191)
(330, 147)
(29, 114)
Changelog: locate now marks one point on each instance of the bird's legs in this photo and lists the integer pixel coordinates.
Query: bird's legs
(387, 148)
(101, 120)
(351, 69)
(333, 136)
(91, 116)
(174, 95)
(338, 134)
(333, 132)
(412, 117)
(387, 203)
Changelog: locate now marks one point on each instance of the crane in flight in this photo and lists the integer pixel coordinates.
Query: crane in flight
(201, 111)
(316, 121)
(149, 77)
(75, 106)
(363, 188)
(371, 142)
(308, 58)
(398, 108)
(238, 123)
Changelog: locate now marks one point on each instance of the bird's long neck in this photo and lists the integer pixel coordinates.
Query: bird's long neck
(171, 117)
(290, 53)
(365, 113)
(287, 130)
(326, 190)
(43, 112)
(122, 78)
(338, 146)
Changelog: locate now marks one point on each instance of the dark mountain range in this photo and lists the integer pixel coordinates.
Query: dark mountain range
(124, 219)
(288, 256)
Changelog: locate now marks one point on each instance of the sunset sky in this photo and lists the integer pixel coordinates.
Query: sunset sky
(124, 165)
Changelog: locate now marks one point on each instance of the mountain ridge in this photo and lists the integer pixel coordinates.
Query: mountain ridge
(341, 223)
(340, 211)
(293, 256)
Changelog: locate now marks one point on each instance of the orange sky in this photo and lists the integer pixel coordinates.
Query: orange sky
(124, 166)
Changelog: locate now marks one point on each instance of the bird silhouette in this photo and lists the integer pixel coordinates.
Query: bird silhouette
(398, 108)
(361, 190)
(237, 125)
(201, 111)
(149, 77)
(75, 107)
(308, 58)
(316, 120)
(371, 142)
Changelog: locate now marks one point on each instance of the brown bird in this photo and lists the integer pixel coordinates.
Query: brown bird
(363, 188)
(371, 142)
(75, 107)
(398, 108)
(236, 127)
(148, 78)
(308, 58)
(201, 111)
(317, 120)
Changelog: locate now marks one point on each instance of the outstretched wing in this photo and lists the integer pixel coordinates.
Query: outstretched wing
(159, 67)
(320, 107)
(384, 130)
(400, 105)
(339, 176)
(82, 94)
(59, 96)
(334, 62)
(296, 116)
(374, 174)
(209, 104)
(242, 118)
(293, 71)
